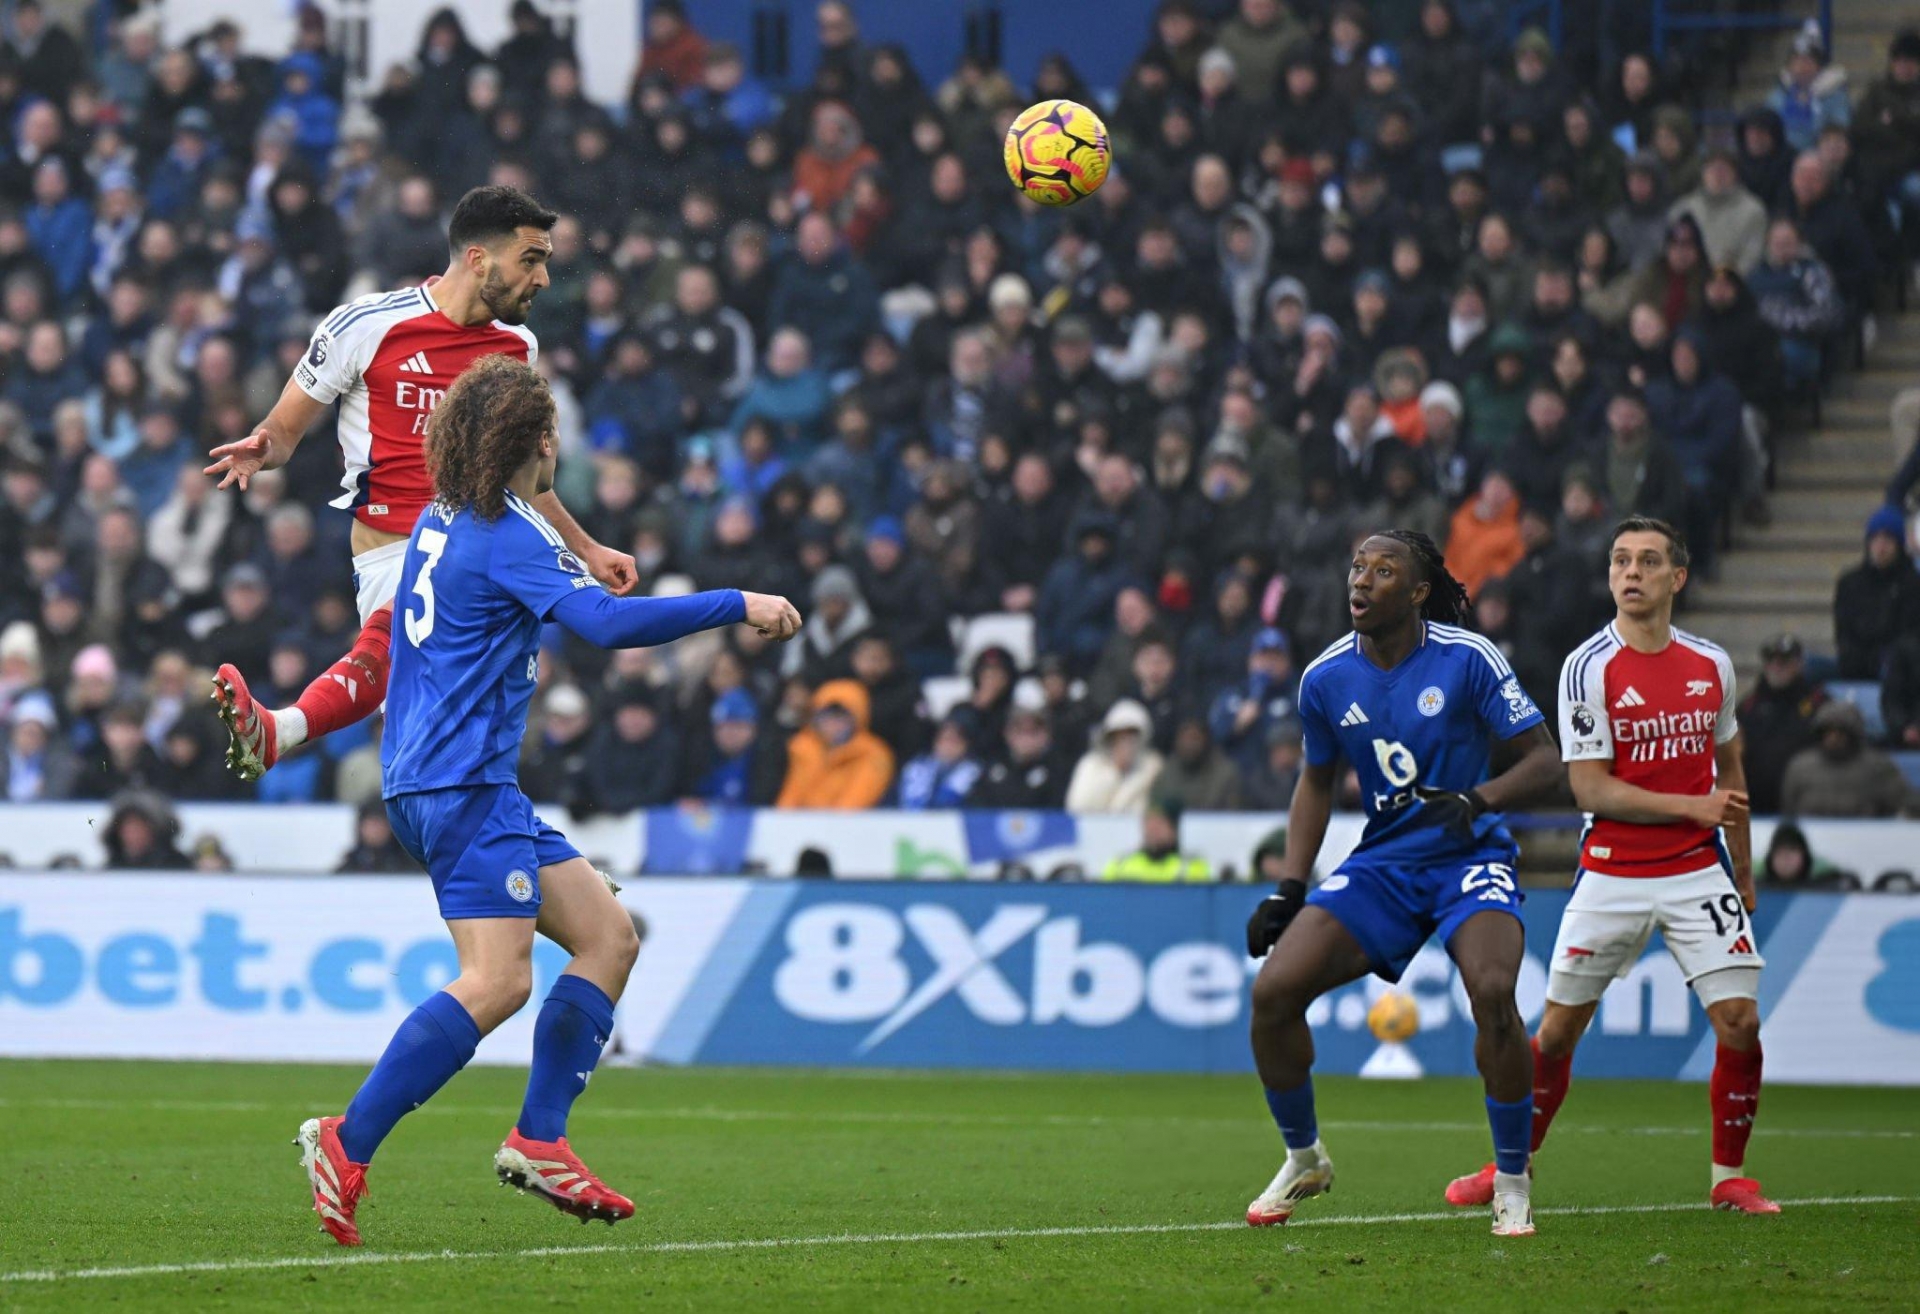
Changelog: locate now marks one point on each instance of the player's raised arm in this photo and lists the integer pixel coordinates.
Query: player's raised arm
(271, 444)
(609, 622)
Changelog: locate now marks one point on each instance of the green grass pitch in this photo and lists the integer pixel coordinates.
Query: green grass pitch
(173, 1186)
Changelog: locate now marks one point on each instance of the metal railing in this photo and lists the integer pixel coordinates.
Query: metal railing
(1666, 22)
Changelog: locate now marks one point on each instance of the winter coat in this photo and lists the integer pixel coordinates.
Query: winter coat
(1799, 299)
(834, 303)
(1804, 111)
(1734, 225)
(1872, 607)
(856, 774)
(1099, 786)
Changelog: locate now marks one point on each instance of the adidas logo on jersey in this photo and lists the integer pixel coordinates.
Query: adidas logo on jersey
(1741, 946)
(1354, 716)
(1631, 698)
(416, 364)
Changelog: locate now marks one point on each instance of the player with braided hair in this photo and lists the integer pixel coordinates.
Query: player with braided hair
(1418, 706)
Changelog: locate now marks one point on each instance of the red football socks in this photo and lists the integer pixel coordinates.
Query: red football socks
(1735, 1092)
(352, 688)
(1551, 1077)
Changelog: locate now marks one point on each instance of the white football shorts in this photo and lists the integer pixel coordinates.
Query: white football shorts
(1609, 920)
(376, 577)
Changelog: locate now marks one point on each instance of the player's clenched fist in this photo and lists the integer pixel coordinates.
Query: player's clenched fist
(1723, 807)
(772, 615)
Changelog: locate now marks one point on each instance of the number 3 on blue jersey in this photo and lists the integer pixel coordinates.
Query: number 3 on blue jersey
(432, 543)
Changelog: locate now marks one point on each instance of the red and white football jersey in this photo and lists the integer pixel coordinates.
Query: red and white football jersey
(388, 359)
(1658, 716)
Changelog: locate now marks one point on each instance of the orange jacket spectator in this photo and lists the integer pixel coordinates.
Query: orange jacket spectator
(672, 46)
(835, 154)
(836, 762)
(1484, 542)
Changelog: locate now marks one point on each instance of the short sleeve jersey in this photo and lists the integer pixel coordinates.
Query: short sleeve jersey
(466, 634)
(1657, 718)
(1426, 722)
(388, 359)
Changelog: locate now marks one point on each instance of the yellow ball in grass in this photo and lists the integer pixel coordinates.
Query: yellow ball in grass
(1394, 1017)
(1057, 152)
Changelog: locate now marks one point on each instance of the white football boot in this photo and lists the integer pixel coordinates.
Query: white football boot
(1512, 1204)
(1307, 1172)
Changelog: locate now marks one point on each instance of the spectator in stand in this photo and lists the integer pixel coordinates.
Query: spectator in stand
(1242, 718)
(944, 776)
(1197, 775)
(790, 395)
(143, 834)
(635, 754)
(554, 765)
(1638, 472)
(1699, 412)
(1798, 299)
(1830, 224)
(1118, 772)
(1842, 775)
(375, 851)
(1789, 862)
(826, 292)
(1812, 93)
(736, 765)
(1030, 771)
(1878, 600)
(1886, 135)
(1076, 600)
(1776, 720)
(836, 762)
(37, 766)
(672, 47)
(1483, 542)
(1732, 220)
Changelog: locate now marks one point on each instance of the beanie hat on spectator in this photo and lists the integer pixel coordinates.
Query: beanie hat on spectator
(1906, 45)
(1444, 395)
(1533, 41)
(735, 705)
(566, 700)
(835, 582)
(1888, 520)
(37, 709)
(1126, 714)
(1029, 696)
(1810, 41)
(1271, 639)
(21, 642)
(1287, 286)
(245, 575)
(1009, 290)
(95, 662)
(1228, 447)
(64, 585)
(195, 120)
(1323, 324)
(887, 529)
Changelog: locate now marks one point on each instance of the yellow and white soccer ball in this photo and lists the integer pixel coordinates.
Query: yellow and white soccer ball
(1057, 152)
(1394, 1017)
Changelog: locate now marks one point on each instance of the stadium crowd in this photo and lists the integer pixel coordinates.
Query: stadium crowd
(1351, 269)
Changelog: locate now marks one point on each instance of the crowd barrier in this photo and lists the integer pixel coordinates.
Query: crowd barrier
(951, 844)
(926, 974)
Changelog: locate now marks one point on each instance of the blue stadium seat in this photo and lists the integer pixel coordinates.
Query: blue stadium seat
(1865, 695)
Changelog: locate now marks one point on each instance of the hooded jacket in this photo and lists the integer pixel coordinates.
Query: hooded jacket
(1874, 605)
(1862, 782)
(856, 774)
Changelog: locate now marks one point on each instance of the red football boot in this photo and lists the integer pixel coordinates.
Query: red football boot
(338, 1182)
(252, 738)
(1741, 1195)
(550, 1169)
(1475, 1190)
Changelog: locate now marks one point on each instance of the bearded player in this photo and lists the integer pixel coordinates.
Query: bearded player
(1653, 750)
(388, 359)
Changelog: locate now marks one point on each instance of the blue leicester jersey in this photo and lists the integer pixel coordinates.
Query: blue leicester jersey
(466, 632)
(1426, 723)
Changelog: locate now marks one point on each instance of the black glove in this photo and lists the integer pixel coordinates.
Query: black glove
(1455, 812)
(1270, 919)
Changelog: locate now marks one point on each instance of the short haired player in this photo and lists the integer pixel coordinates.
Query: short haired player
(1653, 751)
(483, 572)
(1418, 706)
(387, 359)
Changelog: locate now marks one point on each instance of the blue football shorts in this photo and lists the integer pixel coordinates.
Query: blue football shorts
(1392, 904)
(482, 847)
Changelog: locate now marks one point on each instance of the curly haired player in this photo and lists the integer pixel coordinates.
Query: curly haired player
(1411, 700)
(481, 574)
(1653, 750)
(388, 359)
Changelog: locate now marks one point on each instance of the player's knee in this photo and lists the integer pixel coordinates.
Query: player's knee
(1494, 1008)
(1736, 1023)
(626, 946)
(1277, 1002)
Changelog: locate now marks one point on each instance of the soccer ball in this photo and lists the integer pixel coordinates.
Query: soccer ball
(1057, 152)
(1394, 1017)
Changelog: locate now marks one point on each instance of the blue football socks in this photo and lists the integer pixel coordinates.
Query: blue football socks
(1512, 1133)
(1293, 1114)
(573, 1026)
(433, 1043)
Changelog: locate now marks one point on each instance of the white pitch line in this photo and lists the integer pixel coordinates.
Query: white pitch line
(339, 1260)
(708, 1113)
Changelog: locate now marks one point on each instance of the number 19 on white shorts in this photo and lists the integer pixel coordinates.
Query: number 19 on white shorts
(1609, 920)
